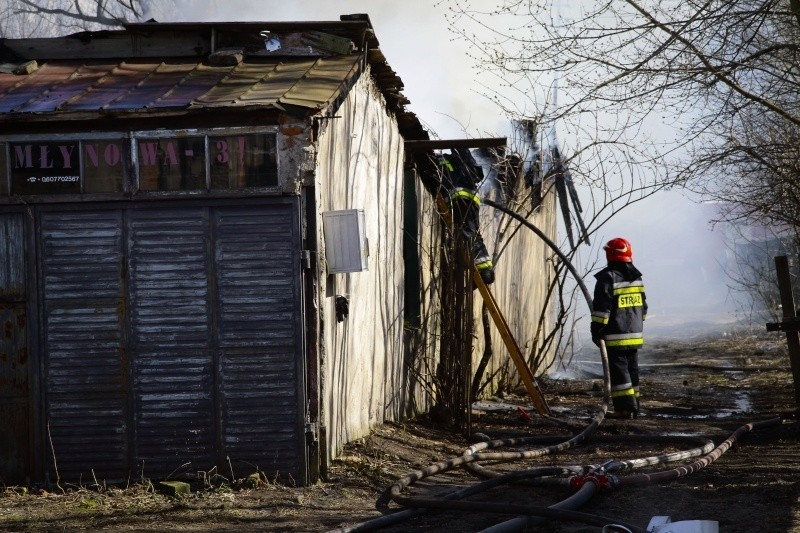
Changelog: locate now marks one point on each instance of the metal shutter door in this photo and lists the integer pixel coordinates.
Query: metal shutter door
(85, 367)
(171, 339)
(259, 325)
(15, 414)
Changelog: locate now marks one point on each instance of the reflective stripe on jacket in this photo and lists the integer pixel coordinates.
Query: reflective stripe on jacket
(619, 307)
(467, 194)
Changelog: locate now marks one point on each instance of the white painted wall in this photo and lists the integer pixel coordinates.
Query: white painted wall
(365, 378)
(523, 273)
(360, 166)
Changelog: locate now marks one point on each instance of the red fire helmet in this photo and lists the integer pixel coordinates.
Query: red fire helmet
(618, 249)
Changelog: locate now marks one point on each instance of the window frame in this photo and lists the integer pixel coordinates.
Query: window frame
(206, 133)
(131, 178)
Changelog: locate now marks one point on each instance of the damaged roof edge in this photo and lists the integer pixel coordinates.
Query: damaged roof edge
(353, 25)
(109, 60)
(187, 39)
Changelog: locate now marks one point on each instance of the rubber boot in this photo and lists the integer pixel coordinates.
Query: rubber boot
(625, 407)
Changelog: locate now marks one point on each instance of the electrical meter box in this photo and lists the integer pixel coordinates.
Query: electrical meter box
(346, 245)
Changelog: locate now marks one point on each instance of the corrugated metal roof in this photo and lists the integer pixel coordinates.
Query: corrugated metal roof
(139, 85)
(174, 68)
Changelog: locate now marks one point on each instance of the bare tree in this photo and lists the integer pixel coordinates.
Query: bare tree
(47, 18)
(751, 268)
(695, 93)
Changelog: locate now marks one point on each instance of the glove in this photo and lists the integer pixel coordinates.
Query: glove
(597, 333)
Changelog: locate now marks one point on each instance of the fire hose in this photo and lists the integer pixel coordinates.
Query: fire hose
(585, 480)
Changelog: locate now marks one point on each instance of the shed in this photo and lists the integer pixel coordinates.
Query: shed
(172, 200)
(218, 253)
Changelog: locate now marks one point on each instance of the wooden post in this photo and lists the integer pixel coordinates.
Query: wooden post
(789, 315)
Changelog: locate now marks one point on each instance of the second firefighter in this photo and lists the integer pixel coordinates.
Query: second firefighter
(619, 308)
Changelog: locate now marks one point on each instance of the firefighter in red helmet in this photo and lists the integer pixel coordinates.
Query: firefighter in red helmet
(619, 309)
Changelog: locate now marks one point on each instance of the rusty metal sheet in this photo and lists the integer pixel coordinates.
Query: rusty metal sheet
(162, 79)
(113, 86)
(279, 80)
(25, 88)
(135, 85)
(194, 85)
(14, 364)
(15, 449)
(321, 84)
(12, 249)
(59, 94)
(13, 351)
(241, 80)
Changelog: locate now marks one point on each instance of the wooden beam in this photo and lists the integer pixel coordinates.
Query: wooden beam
(789, 314)
(110, 45)
(443, 144)
(790, 324)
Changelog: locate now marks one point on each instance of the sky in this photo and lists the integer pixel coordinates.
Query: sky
(413, 36)
(674, 245)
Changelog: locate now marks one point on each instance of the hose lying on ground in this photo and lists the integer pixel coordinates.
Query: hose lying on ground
(547, 475)
(565, 509)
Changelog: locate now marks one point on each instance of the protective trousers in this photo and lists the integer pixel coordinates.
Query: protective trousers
(624, 373)
(466, 225)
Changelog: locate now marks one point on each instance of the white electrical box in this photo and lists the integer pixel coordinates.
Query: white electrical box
(346, 245)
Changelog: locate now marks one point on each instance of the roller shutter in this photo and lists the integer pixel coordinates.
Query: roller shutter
(85, 361)
(170, 316)
(258, 326)
(172, 339)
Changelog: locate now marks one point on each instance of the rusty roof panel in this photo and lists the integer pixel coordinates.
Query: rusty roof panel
(77, 83)
(162, 78)
(194, 85)
(160, 67)
(277, 82)
(240, 80)
(321, 83)
(66, 86)
(117, 83)
(25, 88)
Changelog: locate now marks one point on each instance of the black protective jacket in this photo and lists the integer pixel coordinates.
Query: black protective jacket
(619, 307)
(460, 171)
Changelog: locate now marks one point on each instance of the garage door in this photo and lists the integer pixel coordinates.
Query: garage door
(172, 339)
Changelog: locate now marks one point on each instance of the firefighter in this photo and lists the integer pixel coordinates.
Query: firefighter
(619, 309)
(461, 176)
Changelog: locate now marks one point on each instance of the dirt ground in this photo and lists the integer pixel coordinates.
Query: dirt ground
(708, 388)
